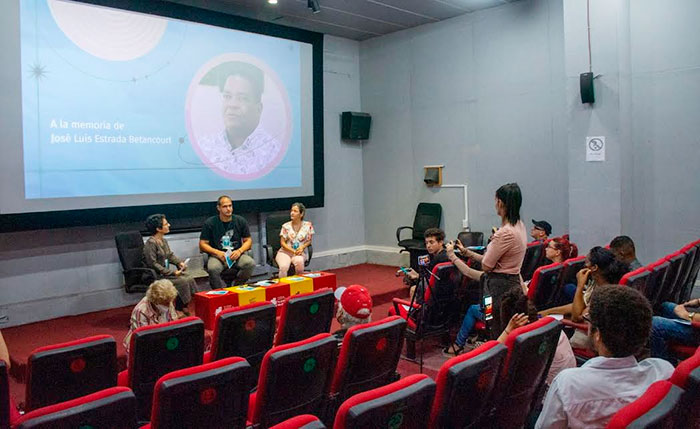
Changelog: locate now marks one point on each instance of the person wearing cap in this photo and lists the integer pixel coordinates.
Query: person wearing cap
(541, 230)
(354, 308)
(243, 146)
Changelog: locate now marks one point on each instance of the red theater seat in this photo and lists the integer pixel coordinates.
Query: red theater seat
(246, 331)
(687, 377)
(294, 379)
(668, 288)
(657, 275)
(214, 395)
(402, 404)
(65, 371)
(305, 315)
(534, 255)
(110, 408)
(530, 352)
(656, 408)
(304, 421)
(431, 318)
(465, 387)
(156, 350)
(637, 279)
(368, 358)
(544, 286)
(8, 410)
(690, 272)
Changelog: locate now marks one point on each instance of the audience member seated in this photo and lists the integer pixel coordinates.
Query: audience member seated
(600, 268)
(503, 259)
(559, 249)
(587, 397)
(623, 248)
(354, 308)
(157, 255)
(435, 244)
(541, 230)
(517, 311)
(295, 236)
(222, 235)
(674, 324)
(156, 307)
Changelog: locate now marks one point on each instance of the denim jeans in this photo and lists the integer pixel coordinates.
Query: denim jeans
(473, 315)
(665, 328)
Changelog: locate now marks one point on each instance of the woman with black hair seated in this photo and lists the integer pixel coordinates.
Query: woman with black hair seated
(503, 258)
(600, 268)
(157, 255)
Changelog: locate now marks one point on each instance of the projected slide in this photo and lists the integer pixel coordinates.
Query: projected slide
(121, 103)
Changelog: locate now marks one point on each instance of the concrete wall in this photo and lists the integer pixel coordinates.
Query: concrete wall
(482, 94)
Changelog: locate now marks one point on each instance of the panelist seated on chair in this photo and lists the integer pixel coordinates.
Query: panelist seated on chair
(226, 239)
(295, 237)
(435, 244)
(157, 255)
(154, 308)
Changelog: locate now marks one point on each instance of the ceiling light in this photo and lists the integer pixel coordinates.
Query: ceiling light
(313, 5)
(272, 1)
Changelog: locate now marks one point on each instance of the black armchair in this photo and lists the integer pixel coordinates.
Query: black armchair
(137, 277)
(427, 216)
(273, 225)
(471, 238)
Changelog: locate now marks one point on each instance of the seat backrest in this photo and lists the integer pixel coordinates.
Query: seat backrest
(532, 259)
(685, 286)
(439, 301)
(692, 275)
(637, 279)
(215, 395)
(530, 352)
(304, 421)
(159, 349)
(544, 285)
(294, 379)
(675, 260)
(466, 386)
(427, 216)
(110, 408)
(656, 408)
(5, 406)
(246, 331)
(402, 404)
(378, 342)
(273, 225)
(655, 281)
(687, 377)
(130, 249)
(570, 268)
(60, 372)
(471, 238)
(305, 315)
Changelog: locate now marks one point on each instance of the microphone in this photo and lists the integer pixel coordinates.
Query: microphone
(424, 260)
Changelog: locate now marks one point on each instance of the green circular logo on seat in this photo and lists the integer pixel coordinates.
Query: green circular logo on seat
(309, 365)
(313, 309)
(543, 348)
(395, 421)
(85, 427)
(172, 343)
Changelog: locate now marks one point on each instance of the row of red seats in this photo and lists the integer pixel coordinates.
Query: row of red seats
(297, 372)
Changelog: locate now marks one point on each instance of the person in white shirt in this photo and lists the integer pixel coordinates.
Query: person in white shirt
(587, 397)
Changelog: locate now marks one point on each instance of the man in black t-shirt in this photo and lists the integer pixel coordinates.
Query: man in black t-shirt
(224, 233)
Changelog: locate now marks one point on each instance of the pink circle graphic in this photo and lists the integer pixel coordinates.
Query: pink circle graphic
(204, 119)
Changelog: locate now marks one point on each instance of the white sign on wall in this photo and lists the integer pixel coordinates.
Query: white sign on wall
(595, 149)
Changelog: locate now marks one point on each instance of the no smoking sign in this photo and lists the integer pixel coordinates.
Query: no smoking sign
(595, 148)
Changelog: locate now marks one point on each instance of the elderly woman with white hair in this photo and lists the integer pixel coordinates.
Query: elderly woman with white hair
(154, 308)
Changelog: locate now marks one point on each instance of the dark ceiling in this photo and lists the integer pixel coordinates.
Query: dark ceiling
(352, 19)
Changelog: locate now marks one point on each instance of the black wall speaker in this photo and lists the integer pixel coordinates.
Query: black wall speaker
(355, 125)
(587, 94)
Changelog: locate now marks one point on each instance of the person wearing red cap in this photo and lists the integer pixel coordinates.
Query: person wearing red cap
(354, 307)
